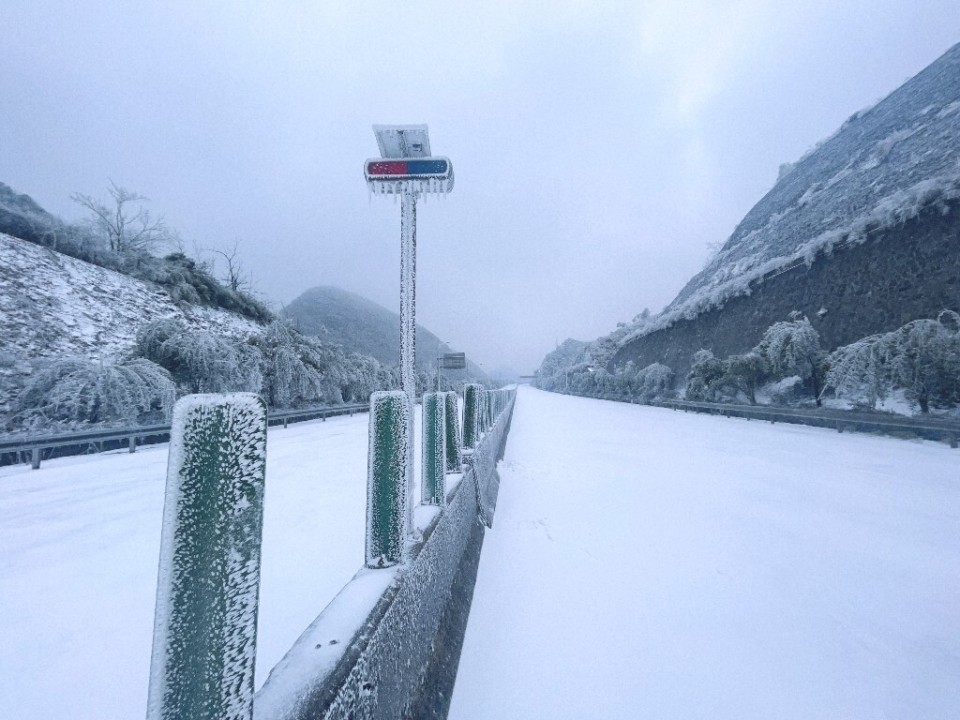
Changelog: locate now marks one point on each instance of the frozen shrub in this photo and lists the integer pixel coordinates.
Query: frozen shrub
(199, 361)
(653, 382)
(299, 369)
(793, 348)
(74, 391)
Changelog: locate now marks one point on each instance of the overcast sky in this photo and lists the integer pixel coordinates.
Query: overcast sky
(599, 146)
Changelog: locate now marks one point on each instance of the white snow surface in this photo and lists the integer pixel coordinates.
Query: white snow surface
(643, 563)
(647, 563)
(80, 543)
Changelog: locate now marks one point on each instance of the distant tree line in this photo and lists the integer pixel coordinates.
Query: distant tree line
(920, 361)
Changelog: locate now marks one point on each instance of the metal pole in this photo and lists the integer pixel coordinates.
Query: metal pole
(408, 325)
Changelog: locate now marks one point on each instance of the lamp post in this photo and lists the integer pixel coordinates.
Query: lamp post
(406, 168)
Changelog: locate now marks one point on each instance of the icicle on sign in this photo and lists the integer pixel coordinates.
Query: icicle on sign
(204, 642)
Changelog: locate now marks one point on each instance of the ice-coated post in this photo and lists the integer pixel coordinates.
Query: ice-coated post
(408, 327)
(434, 462)
(484, 410)
(387, 521)
(452, 434)
(205, 628)
(471, 414)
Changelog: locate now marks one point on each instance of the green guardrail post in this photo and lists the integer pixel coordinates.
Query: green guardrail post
(205, 628)
(434, 462)
(471, 414)
(452, 434)
(387, 478)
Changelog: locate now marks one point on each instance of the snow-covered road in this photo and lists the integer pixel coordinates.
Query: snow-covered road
(79, 543)
(646, 563)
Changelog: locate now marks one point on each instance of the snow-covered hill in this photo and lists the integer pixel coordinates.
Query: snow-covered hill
(881, 168)
(53, 305)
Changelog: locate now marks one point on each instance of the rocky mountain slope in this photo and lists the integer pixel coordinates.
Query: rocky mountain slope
(882, 167)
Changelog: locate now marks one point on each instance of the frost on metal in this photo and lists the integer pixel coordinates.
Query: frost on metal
(387, 475)
(452, 434)
(204, 642)
(434, 462)
(471, 414)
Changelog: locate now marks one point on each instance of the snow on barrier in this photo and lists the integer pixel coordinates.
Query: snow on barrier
(452, 433)
(387, 478)
(434, 462)
(204, 641)
(472, 399)
(388, 645)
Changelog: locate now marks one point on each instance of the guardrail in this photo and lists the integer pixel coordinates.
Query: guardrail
(398, 657)
(44, 447)
(388, 645)
(839, 420)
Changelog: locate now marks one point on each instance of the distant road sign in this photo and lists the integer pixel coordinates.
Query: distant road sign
(453, 361)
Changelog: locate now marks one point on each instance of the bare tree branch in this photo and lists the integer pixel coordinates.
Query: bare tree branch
(125, 225)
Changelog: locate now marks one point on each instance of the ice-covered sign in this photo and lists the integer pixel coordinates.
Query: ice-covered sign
(453, 361)
(406, 164)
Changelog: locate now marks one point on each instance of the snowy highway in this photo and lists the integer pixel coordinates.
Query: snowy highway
(646, 563)
(642, 563)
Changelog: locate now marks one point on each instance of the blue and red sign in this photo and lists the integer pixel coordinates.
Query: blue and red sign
(412, 169)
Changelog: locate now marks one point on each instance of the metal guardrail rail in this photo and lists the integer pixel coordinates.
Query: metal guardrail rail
(840, 420)
(928, 428)
(45, 447)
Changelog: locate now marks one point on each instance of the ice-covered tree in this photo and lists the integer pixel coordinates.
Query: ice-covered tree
(746, 373)
(201, 361)
(858, 371)
(923, 358)
(704, 377)
(299, 369)
(624, 378)
(793, 348)
(653, 382)
(124, 224)
(75, 390)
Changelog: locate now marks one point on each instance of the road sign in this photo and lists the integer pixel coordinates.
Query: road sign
(453, 361)
(405, 165)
